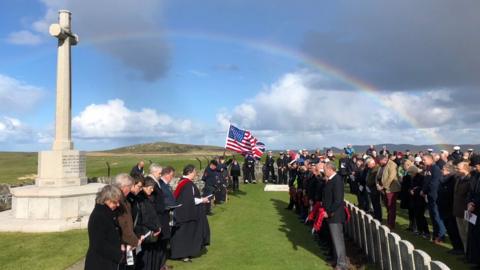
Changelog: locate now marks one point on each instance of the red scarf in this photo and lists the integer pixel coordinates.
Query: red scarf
(180, 186)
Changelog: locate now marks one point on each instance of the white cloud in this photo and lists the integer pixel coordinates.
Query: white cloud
(16, 95)
(13, 130)
(298, 110)
(24, 37)
(115, 120)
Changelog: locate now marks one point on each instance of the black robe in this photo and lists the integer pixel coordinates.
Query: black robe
(473, 245)
(192, 231)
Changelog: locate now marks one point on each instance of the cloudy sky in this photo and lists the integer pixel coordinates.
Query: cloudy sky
(298, 74)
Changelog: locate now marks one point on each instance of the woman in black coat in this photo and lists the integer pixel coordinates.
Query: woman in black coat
(104, 250)
(146, 220)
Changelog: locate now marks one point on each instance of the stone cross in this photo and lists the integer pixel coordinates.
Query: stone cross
(63, 122)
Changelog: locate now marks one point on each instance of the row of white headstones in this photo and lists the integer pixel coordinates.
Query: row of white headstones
(385, 248)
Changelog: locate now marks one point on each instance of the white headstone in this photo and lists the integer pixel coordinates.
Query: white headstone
(370, 238)
(386, 260)
(406, 254)
(422, 260)
(393, 244)
(436, 265)
(377, 249)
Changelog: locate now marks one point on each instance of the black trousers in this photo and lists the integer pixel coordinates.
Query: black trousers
(269, 174)
(249, 175)
(235, 183)
(282, 177)
(420, 219)
(376, 198)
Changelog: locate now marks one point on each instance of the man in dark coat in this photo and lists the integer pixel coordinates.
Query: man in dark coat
(335, 212)
(211, 177)
(161, 210)
(282, 167)
(221, 191)
(249, 175)
(137, 170)
(269, 169)
(431, 181)
(235, 173)
(192, 232)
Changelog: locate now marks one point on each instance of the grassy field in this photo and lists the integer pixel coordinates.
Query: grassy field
(20, 168)
(251, 231)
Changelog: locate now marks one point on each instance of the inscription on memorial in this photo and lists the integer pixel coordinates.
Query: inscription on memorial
(73, 164)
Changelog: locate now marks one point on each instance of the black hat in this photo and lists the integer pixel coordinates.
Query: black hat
(475, 160)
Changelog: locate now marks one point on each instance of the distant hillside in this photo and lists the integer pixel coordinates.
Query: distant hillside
(165, 148)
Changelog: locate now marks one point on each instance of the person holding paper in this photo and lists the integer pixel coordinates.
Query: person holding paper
(473, 207)
(192, 232)
(147, 225)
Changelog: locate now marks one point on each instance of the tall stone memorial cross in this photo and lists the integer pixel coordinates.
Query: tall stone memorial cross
(63, 166)
(66, 39)
(61, 199)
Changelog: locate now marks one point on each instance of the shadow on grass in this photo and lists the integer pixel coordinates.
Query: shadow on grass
(296, 232)
(237, 194)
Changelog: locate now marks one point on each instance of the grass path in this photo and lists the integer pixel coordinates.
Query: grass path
(254, 231)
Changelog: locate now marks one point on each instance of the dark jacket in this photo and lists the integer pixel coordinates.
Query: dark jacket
(333, 200)
(445, 196)
(212, 179)
(475, 191)
(161, 210)
(235, 169)
(460, 195)
(136, 171)
(104, 251)
(431, 181)
(167, 193)
(144, 215)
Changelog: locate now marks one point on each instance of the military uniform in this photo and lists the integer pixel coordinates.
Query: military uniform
(249, 175)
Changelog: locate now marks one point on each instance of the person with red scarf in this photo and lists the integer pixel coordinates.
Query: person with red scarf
(192, 231)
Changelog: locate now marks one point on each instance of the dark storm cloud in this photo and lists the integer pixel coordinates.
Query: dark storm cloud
(125, 29)
(402, 45)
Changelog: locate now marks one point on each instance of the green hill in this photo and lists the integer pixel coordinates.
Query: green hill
(166, 148)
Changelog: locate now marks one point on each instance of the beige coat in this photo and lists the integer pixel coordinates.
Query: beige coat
(390, 177)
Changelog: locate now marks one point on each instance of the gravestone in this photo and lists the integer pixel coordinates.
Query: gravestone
(422, 260)
(363, 231)
(370, 238)
(386, 260)
(436, 265)
(406, 255)
(393, 245)
(356, 226)
(61, 199)
(377, 249)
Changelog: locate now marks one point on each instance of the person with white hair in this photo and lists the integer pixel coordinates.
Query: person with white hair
(125, 220)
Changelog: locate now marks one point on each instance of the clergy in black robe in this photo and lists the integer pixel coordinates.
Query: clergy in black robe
(192, 232)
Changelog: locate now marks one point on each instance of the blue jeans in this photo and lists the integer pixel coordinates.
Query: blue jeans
(439, 229)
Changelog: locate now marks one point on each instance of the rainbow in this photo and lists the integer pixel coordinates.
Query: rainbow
(283, 51)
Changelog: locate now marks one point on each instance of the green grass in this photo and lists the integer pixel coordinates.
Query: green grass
(46, 251)
(437, 252)
(251, 231)
(254, 231)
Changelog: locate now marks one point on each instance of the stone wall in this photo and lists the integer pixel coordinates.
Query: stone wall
(384, 248)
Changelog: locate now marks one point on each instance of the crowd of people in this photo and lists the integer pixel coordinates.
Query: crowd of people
(444, 185)
(139, 222)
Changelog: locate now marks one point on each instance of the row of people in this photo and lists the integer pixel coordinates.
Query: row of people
(137, 223)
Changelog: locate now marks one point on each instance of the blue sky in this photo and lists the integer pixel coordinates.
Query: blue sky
(182, 70)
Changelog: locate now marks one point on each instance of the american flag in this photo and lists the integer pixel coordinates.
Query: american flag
(242, 141)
